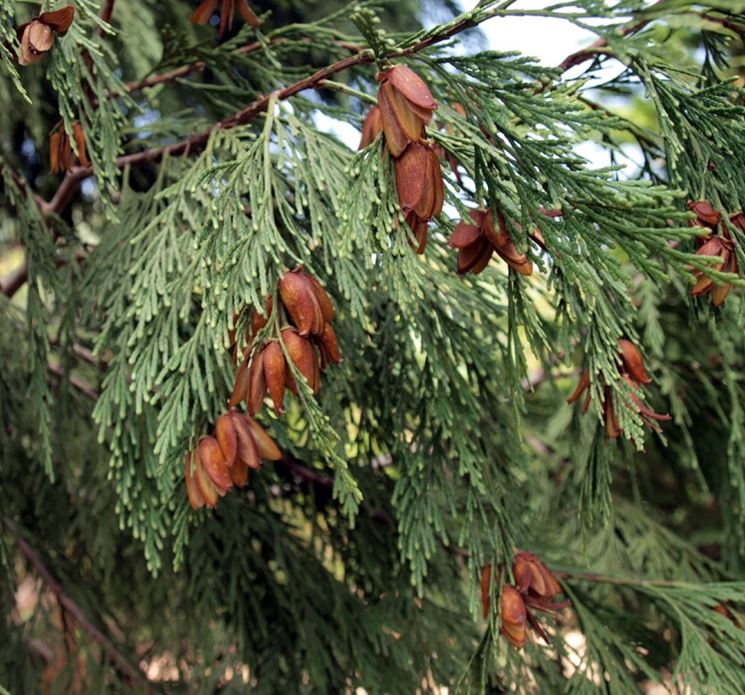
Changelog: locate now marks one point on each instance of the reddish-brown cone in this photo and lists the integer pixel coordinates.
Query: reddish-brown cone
(419, 182)
(485, 590)
(406, 105)
(514, 616)
(305, 301)
(61, 155)
(371, 126)
(37, 36)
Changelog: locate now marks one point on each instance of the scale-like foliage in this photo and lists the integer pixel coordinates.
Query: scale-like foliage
(380, 550)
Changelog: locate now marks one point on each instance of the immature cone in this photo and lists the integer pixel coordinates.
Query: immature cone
(371, 126)
(37, 36)
(306, 302)
(61, 155)
(406, 105)
(514, 616)
(227, 13)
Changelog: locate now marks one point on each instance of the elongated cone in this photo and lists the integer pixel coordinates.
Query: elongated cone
(720, 291)
(413, 89)
(706, 215)
(485, 585)
(227, 438)
(582, 386)
(55, 164)
(401, 124)
(532, 575)
(633, 361)
(192, 488)
(303, 356)
(329, 346)
(612, 428)
(713, 247)
(256, 384)
(464, 235)
(274, 373)
(419, 229)
(79, 135)
(214, 463)
(248, 451)
(475, 257)
(513, 616)
(268, 450)
(327, 306)
(300, 299)
(371, 126)
(240, 386)
(419, 181)
(207, 488)
(258, 320)
(239, 474)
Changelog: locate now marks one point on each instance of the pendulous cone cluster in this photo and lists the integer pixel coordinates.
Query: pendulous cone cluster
(310, 343)
(715, 240)
(223, 460)
(535, 588)
(634, 373)
(61, 155)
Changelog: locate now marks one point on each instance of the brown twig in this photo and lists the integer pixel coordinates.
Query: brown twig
(83, 386)
(121, 662)
(106, 12)
(14, 280)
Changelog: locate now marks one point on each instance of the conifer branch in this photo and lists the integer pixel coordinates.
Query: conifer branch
(122, 663)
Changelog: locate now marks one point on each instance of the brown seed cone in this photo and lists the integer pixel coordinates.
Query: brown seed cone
(633, 361)
(329, 346)
(485, 584)
(582, 386)
(268, 450)
(248, 452)
(401, 124)
(419, 181)
(303, 356)
(214, 463)
(413, 89)
(79, 135)
(192, 488)
(256, 384)
(706, 214)
(299, 297)
(513, 616)
(327, 306)
(240, 386)
(371, 127)
(207, 488)
(227, 438)
(532, 575)
(274, 373)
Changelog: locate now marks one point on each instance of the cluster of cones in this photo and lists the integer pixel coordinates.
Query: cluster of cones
(37, 36)
(227, 13)
(310, 344)
(61, 155)
(405, 107)
(222, 461)
(477, 239)
(535, 589)
(634, 373)
(716, 240)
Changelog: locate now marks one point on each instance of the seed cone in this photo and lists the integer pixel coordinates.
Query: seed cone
(61, 155)
(37, 36)
(406, 105)
(305, 301)
(371, 126)
(227, 13)
(513, 616)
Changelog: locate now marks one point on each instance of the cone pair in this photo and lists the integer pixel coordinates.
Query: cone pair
(306, 302)
(478, 239)
(220, 462)
(536, 587)
(61, 156)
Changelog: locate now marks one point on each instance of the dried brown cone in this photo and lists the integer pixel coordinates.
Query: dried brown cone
(371, 127)
(303, 356)
(406, 105)
(37, 36)
(61, 155)
(514, 616)
(227, 13)
(306, 302)
(724, 248)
